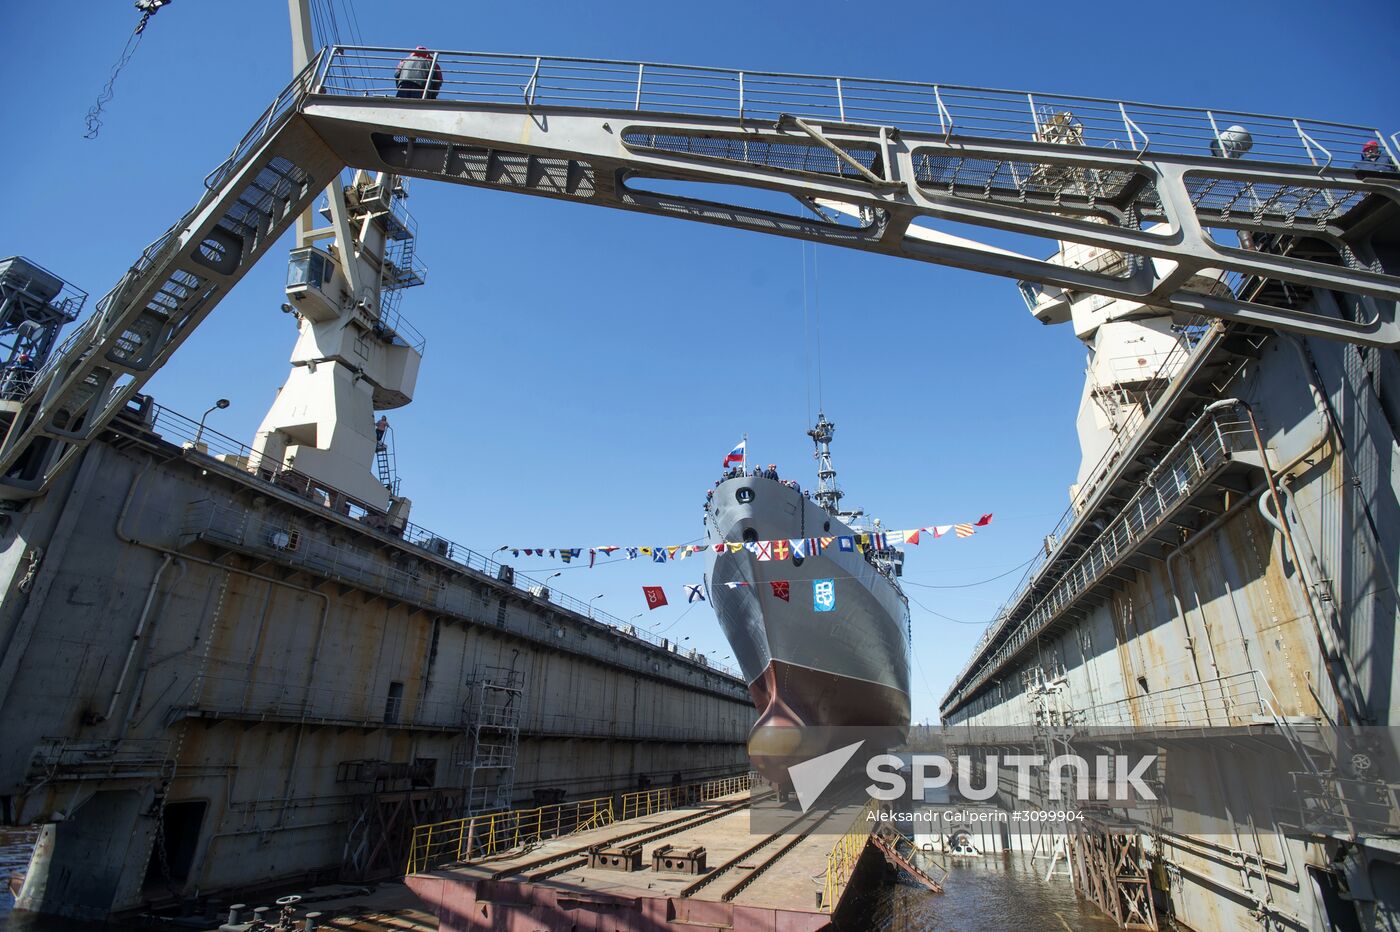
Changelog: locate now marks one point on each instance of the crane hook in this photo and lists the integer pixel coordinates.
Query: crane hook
(148, 9)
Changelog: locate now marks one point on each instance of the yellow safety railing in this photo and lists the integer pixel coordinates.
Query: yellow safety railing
(646, 802)
(841, 861)
(481, 836)
(475, 837)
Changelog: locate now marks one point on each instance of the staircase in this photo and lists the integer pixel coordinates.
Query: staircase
(899, 851)
(250, 200)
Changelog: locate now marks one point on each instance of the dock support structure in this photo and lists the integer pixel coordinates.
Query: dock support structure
(1111, 870)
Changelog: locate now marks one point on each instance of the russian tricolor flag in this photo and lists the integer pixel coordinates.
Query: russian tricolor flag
(737, 454)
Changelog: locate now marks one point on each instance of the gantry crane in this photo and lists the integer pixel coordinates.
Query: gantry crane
(1135, 196)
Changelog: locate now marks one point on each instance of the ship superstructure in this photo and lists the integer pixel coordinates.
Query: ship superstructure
(845, 666)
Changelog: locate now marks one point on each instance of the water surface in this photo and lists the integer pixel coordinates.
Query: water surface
(992, 892)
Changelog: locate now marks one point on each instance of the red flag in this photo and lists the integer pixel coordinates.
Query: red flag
(984, 521)
(656, 596)
(780, 589)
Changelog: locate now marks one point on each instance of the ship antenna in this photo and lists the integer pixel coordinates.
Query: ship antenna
(827, 495)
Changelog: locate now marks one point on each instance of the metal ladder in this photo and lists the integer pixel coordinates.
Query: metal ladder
(386, 463)
(900, 852)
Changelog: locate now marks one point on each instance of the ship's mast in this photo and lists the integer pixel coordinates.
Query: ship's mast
(827, 494)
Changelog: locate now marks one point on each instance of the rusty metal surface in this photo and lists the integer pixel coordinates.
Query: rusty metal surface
(623, 857)
(673, 859)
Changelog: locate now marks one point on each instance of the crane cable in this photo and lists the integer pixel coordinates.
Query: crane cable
(148, 9)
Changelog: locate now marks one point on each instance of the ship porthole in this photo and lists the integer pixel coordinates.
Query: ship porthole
(750, 535)
(743, 496)
(826, 525)
(797, 561)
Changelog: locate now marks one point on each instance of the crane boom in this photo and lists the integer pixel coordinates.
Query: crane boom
(619, 134)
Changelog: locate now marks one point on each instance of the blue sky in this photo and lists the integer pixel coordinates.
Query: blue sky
(587, 369)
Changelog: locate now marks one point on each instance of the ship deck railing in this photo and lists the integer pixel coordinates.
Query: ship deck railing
(185, 431)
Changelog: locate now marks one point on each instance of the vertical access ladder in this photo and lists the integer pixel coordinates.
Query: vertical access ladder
(497, 705)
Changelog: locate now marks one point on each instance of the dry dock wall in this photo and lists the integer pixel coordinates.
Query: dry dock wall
(1228, 625)
(209, 682)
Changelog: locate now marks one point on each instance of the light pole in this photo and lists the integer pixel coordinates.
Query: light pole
(218, 406)
(545, 585)
(591, 601)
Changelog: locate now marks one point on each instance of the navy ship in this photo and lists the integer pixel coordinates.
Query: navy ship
(812, 655)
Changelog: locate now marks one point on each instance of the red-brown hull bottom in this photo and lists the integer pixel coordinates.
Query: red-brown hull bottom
(799, 708)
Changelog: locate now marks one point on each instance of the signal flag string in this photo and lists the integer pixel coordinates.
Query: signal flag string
(765, 550)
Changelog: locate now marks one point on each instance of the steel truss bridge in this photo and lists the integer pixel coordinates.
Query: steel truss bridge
(873, 165)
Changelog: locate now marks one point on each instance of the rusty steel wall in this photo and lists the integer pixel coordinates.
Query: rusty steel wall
(1230, 624)
(150, 666)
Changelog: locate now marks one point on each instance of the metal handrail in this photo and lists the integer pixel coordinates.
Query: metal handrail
(1233, 699)
(182, 429)
(282, 106)
(241, 696)
(1202, 448)
(271, 119)
(658, 87)
(487, 835)
(1172, 362)
(842, 859)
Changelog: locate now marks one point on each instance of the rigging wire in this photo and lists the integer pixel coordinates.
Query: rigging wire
(93, 120)
(678, 619)
(956, 621)
(980, 582)
(352, 22)
(335, 21)
(324, 29)
(928, 687)
(817, 314)
(806, 336)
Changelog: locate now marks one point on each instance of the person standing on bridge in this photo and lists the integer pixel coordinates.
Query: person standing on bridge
(418, 76)
(1371, 159)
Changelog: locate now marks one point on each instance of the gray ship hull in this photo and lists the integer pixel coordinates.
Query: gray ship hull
(849, 666)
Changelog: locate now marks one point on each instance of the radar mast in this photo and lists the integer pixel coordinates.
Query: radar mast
(827, 494)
